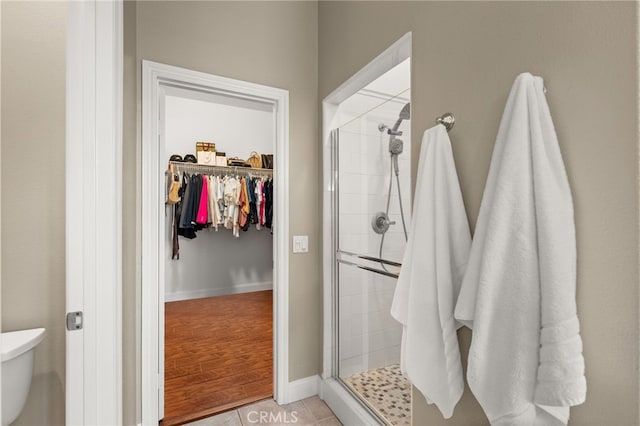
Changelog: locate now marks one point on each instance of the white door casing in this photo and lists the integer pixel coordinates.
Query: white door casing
(94, 212)
(154, 77)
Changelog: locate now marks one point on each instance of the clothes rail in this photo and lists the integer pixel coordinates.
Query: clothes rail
(204, 168)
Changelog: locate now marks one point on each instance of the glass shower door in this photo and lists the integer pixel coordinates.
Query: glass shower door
(369, 198)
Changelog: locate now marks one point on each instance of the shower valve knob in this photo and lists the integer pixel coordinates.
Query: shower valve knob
(380, 223)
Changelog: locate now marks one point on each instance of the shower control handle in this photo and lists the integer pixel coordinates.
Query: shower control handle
(380, 223)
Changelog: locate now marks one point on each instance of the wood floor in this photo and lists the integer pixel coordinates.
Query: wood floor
(218, 354)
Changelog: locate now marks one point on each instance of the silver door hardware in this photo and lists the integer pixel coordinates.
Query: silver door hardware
(74, 320)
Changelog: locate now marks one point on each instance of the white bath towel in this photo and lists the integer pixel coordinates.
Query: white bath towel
(431, 275)
(519, 292)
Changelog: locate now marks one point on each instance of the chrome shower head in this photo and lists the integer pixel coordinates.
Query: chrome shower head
(405, 114)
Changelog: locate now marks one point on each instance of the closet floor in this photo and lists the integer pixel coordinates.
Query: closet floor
(218, 354)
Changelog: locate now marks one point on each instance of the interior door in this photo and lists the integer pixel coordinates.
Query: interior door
(93, 196)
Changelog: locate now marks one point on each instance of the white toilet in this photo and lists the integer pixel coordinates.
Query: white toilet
(17, 369)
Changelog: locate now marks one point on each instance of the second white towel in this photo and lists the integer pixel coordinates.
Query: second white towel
(432, 269)
(519, 293)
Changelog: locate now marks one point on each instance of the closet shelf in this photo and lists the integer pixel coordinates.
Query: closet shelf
(204, 168)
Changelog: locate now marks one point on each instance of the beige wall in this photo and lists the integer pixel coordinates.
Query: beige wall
(33, 224)
(0, 183)
(271, 43)
(131, 208)
(465, 58)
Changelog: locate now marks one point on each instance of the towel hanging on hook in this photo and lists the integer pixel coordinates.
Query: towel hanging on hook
(447, 120)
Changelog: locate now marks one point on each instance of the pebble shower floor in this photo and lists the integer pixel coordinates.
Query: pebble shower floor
(386, 391)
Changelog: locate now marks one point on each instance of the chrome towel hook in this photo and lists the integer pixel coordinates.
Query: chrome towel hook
(447, 120)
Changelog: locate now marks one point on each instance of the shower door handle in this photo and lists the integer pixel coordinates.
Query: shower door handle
(375, 259)
(371, 258)
(378, 271)
(368, 268)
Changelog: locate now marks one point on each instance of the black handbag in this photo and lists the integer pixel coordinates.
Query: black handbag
(237, 162)
(267, 161)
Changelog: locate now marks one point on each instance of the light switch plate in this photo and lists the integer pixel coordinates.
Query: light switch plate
(300, 243)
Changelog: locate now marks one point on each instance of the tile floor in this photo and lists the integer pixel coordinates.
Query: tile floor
(308, 412)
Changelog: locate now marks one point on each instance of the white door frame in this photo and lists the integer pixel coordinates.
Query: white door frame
(154, 77)
(93, 233)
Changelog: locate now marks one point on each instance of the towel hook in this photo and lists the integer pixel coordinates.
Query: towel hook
(447, 120)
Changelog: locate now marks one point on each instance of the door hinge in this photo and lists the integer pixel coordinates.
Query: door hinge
(74, 320)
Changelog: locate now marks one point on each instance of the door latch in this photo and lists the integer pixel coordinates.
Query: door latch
(74, 320)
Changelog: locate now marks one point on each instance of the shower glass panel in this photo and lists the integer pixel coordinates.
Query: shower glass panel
(369, 197)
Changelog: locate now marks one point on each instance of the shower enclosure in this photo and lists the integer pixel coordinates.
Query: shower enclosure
(371, 209)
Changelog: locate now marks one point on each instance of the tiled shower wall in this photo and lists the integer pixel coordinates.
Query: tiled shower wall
(369, 336)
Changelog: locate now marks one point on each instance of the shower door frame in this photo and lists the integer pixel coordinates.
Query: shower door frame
(347, 407)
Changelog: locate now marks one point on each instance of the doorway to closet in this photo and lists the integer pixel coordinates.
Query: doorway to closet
(219, 278)
(218, 324)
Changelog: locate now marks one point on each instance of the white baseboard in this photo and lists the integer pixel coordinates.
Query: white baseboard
(211, 292)
(303, 388)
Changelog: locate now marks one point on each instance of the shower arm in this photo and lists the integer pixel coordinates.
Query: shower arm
(382, 127)
(448, 120)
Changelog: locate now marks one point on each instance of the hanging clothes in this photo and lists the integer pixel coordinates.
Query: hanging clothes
(213, 207)
(196, 192)
(258, 192)
(230, 188)
(202, 217)
(237, 190)
(176, 210)
(243, 204)
(186, 202)
(246, 209)
(183, 210)
(211, 201)
(219, 201)
(269, 204)
(263, 202)
(251, 192)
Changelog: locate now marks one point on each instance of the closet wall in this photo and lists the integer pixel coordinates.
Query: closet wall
(216, 263)
(466, 56)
